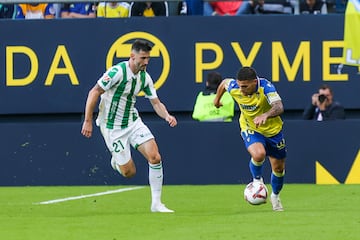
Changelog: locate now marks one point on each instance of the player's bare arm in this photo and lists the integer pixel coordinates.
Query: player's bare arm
(220, 91)
(91, 102)
(276, 109)
(162, 112)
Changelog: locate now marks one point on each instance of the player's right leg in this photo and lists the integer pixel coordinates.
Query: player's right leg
(127, 170)
(117, 142)
(254, 143)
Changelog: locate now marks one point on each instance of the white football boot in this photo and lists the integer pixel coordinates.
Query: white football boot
(276, 203)
(160, 207)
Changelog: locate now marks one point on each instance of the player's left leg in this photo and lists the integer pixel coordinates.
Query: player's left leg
(150, 151)
(277, 174)
(276, 149)
(143, 140)
(277, 182)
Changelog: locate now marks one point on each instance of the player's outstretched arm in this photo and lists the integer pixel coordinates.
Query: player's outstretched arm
(162, 112)
(91, 102)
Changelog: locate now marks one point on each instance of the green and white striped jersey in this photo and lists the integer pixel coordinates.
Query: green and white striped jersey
(121, 85)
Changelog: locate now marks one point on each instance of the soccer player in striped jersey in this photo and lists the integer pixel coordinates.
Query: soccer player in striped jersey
(120, 123)
(260, 124)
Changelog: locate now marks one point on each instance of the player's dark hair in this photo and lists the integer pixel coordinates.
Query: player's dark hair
(246, 73)
(141, 45)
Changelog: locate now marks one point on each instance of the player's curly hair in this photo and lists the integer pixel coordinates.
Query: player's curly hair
(246, 73)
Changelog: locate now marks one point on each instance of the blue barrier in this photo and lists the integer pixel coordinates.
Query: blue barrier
(55, 153)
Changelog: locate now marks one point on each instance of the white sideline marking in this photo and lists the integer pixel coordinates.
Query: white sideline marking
(89, 195)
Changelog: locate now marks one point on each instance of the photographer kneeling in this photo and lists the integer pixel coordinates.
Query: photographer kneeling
(323, 107)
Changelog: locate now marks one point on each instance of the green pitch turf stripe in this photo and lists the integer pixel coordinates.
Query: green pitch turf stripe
(89, 195)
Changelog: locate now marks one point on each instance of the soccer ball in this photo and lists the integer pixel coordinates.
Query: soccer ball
(256, 193)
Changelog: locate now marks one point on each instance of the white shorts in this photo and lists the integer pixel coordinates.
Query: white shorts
(119, 140)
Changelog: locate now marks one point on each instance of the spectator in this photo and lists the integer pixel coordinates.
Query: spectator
(323, 107)
(313, 7)
(204, 109)
(7, 11)
(149, 9)
(113, 9)
(195, 7)
(182, 8)
(226, 8)
(271, 7)
(78, 10)
(35, 11)
(57, 7)
(340, 6)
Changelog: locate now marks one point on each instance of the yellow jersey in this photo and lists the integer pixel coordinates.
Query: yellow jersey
(120, 10)
(256, 104)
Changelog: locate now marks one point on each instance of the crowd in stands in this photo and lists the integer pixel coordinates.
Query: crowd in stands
(168, 8)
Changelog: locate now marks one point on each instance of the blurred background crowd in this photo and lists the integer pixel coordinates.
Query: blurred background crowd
(118, 9)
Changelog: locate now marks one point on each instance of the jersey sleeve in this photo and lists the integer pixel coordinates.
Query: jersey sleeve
(111, 77)
(149, 89)
(270, 91)
(230, 84)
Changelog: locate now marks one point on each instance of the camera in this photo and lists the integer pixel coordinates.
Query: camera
(322, 98)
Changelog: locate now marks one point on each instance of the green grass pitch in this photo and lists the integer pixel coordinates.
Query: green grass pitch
(208, 212)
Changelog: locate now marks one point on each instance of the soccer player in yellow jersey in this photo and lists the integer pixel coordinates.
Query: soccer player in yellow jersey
(260, 124)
